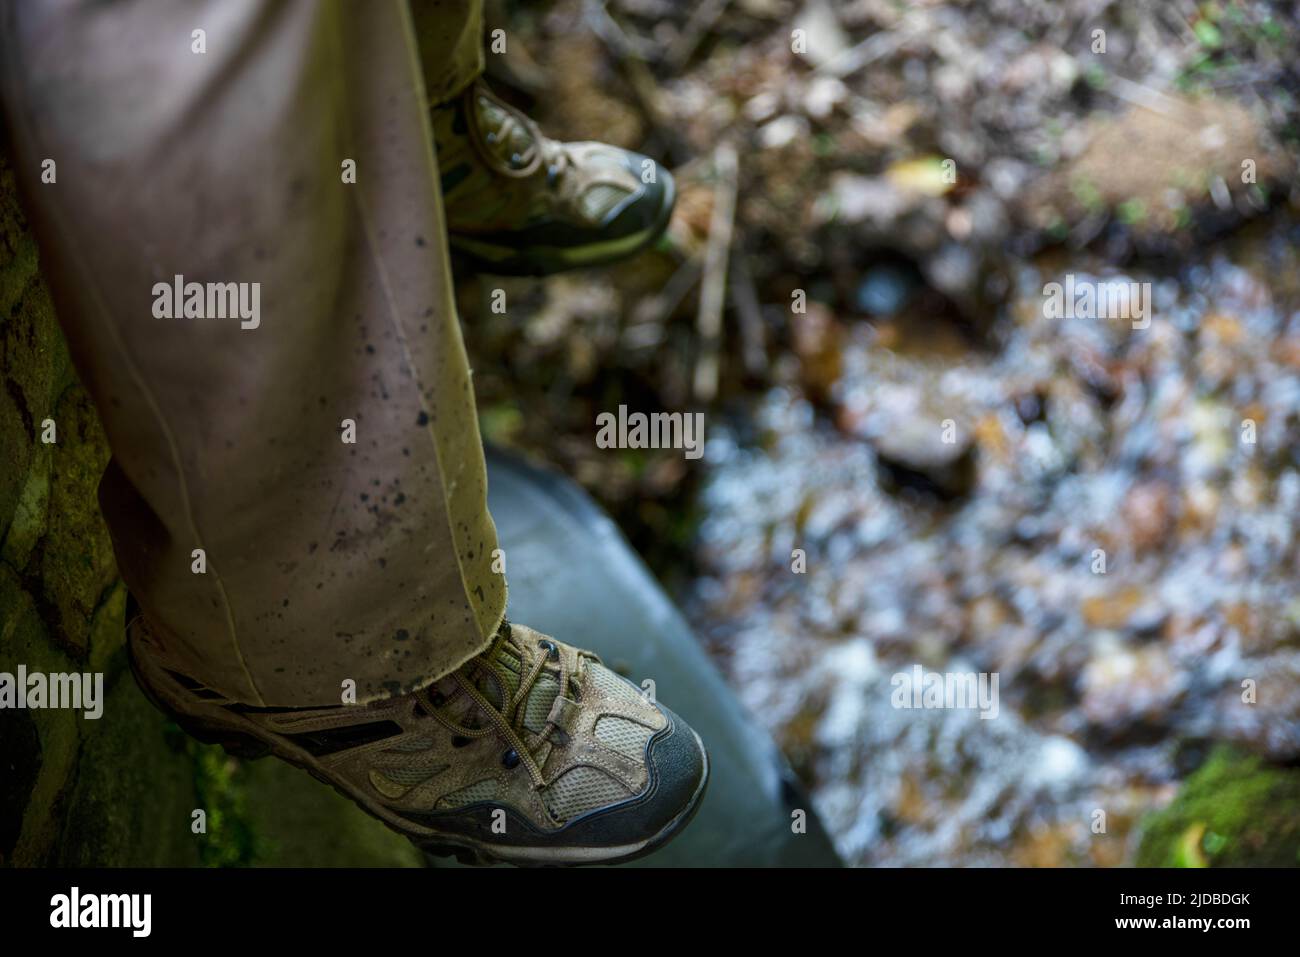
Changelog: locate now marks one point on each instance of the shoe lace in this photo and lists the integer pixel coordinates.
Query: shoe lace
(507, 720)
(487, 142)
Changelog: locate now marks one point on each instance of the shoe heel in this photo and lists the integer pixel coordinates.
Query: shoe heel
(237, 745)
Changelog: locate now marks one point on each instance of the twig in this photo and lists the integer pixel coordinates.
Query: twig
(753, 345)
(638, 76)
(697, 28)
(878, 45)
(1136, 94)
(713, 288)
(655, 310)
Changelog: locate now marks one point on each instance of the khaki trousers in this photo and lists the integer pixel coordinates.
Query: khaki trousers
(297, 495)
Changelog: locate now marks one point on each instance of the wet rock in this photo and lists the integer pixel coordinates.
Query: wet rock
(1259, 709)
(908, 210)
(77, 563)
(134, 794)
(922, 442)
(1148, 515)
(914, 456)
(55, 567)
(1112, 610)
(885, 289)
(969, 275)
(1129, 690)
(20, 746)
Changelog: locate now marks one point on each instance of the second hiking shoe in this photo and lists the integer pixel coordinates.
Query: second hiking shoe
(519, 203)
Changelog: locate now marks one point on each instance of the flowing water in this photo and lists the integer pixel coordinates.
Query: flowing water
(1123, 557)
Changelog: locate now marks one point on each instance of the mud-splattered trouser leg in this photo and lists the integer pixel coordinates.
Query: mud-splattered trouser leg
(244, 238)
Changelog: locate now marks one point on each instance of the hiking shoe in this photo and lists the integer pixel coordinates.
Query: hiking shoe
(531, 753)
(518, 203)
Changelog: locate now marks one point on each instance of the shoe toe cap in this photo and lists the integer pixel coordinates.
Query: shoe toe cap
(678, 769)
(678, 766)
(653, 202)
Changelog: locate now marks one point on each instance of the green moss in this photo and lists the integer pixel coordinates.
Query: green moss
(133, 793)
(1086, 194)
(29, 515)
(1235, 811)
(229, 839)
(77, 566)
(501, 422)
(1132, 212)
(1096, 77)
(306, 824)
(266, 813)
(1208, 35)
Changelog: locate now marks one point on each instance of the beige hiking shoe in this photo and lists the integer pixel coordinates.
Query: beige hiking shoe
(518, 203)
(531, 753)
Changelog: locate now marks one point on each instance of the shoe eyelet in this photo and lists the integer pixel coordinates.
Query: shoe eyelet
(510, 759)
(552, 652)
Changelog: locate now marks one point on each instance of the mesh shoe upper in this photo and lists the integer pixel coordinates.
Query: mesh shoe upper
(578, 730)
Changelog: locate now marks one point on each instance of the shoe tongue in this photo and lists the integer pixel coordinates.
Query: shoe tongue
(505, 134)
(508, 665)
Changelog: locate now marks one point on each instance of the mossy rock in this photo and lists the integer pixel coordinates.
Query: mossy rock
(134, 793)
(1235, 811)
(34, 366)
(139, 781)
(300, 822)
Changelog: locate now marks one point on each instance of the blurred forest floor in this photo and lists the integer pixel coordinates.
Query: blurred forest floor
(1175, 449)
